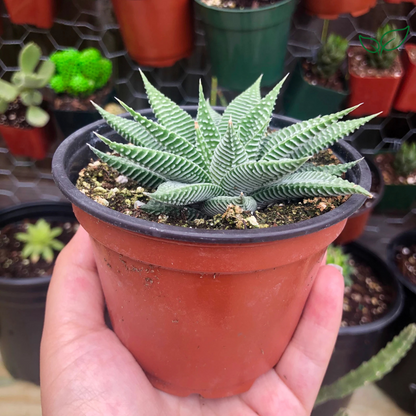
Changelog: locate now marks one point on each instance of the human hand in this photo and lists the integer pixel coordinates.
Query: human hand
(86, 370)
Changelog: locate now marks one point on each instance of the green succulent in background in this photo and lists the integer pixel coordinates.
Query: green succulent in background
(226, 159)
(331, 55)
(80, 73)
(405, 160)
(25, 84)
(39, 241)
(335, 255)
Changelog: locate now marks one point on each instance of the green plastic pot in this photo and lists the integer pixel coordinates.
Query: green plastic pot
(243, 44)
(303, 100)
(400, 198)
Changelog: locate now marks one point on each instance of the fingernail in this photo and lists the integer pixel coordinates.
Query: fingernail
(338, 267)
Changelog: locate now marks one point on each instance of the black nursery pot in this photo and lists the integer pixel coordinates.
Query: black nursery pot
(22, 300)
(357, 344)
(398, 383)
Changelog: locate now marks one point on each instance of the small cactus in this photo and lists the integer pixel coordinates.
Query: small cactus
(405, 160)
(331, 55)
(335, 255)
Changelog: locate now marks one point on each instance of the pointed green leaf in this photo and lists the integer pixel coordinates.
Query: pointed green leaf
(168, 165)
(372, 48)
(36, 116)
(216, 117)
(29, 57)
(170, 140)
(306, 184)
(250, 176)
(57, 245)
(240, 106)
(157, 208)
(259, 114)
(219, 204)
(8, 92)
(134, 171)
(168, 113)
(396, 46)
(253, 145)
(206, 123)
(202, 146)
(228, 154)
(282, 142)
(186, 194)
(336, 170)
(131, 130)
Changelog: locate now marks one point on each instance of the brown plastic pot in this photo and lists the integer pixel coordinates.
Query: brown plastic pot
(156, 33)
(376, 93)
(406, 97)
(202, 311)
(33, 142)
(39, 13)
(330, 9)
(356, 223)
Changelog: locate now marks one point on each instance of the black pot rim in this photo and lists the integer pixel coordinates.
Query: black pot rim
(391, 250)
(396, 308)
(244, 11)
(36, 208)
(59, 170)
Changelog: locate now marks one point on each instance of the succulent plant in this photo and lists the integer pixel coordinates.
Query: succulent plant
(25, 84)
(331, 55)
(40, 241)
(226, 159)
(336, 255)
(405, 160)
(80, 73)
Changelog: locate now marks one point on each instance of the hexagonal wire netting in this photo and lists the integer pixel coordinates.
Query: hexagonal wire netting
(84, 23)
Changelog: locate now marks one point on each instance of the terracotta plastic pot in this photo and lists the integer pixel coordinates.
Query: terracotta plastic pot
(156, 33)
(22, 300)
(356, 223)
(39, 13)
(406, 97)
(202, 311)
(330, 9)
(376, 93)
(33, 142)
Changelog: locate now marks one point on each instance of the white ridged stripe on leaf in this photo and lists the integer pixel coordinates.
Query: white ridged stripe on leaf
(186, 194)
(166, 164)
(250, 176)
(168, 113)
(216, 117)
(306, 184)
(259, 114)
(208, 128)
(219, 204)
(228, 154)
(141, 175)
(203, 147)
(336, 170)
(253, 145)
(158, 208)
(286, 139)
(172, 142)
(240, 106)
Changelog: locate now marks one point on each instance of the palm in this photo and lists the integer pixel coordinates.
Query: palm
(85, 370)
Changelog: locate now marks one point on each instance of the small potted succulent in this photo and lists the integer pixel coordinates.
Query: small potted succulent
(373, 301)
(399, 173)
(318, 87)
(406, 97)
(24, 124)
(156, 33)
(246, 39)
(208, 228)
(329, 9)
(31, 235)
(376, 72)
(80, 76)
(39, 13)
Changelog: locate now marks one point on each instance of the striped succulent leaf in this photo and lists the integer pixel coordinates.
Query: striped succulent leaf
(157, 208)
(220, 203)
(254, 144)
(216, 117)
(336, 170)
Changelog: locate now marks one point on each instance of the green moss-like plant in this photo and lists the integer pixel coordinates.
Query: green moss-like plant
(331, 55)
(335, 255)
(80, 73)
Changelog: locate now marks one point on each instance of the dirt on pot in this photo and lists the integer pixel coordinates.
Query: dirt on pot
(14, 116)
(12, 265)
(239, 4)
(385, 162)
(406, 262)
(335, 82)
(367, 299)
(359, 65)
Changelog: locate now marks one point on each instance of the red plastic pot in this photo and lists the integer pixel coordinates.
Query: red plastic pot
(330, 9)
(39, 13)
(156, 33)
(376, 93)
(202, 311)
(33, 142)
(406, 97)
